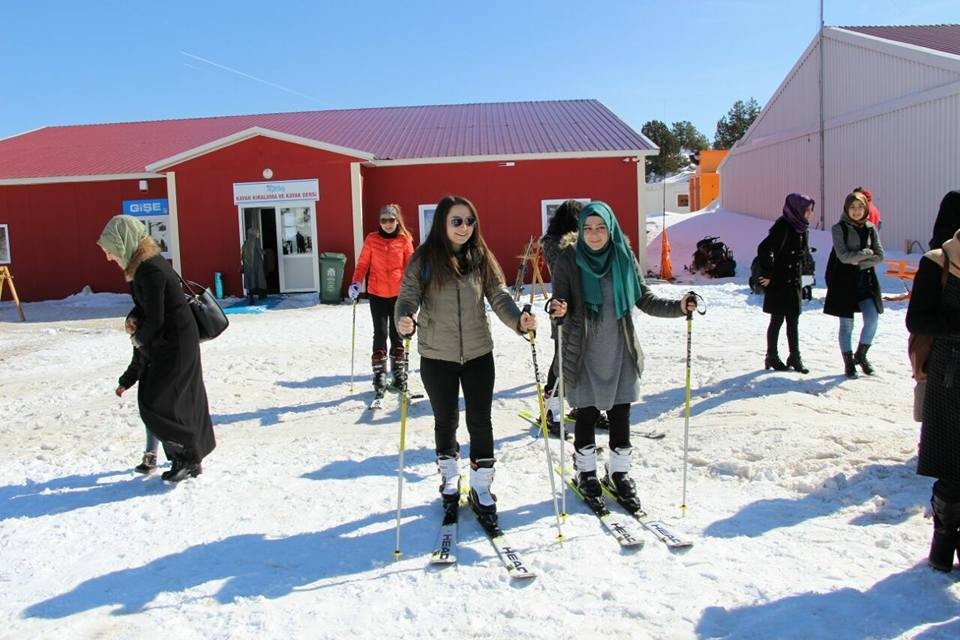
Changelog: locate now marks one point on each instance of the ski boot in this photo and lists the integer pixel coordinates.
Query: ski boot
(449, 481)
(149, 463)
(379, 362)
(619, 483)
(603, 422)
(585, 476)
(399, 378)
(482, 501)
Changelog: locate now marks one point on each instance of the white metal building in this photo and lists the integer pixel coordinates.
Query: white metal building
(891, 123)
(675, 191)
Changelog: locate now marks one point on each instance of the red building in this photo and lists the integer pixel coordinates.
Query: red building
(312, 182)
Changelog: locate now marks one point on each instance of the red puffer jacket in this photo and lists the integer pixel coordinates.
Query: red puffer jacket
(383, 260)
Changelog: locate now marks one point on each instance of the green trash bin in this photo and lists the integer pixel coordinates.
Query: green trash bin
(331, 276)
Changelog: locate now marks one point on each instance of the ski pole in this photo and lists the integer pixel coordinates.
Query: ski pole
(532, 335)
(353, 341)
(563, 428)
(404, 403)
(686, 418)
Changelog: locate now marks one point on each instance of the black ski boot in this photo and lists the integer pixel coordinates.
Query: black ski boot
(379, 362)
(773, 361)
(619, 482)
(794, 362)
(482, 501)
(860, 358)
(946, 522)
(399, 378)
(849, 365)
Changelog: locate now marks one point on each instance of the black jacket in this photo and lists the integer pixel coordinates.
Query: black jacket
(847, 265)
(782, 254)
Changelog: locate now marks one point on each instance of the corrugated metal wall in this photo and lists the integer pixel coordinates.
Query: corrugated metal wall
(879, 135)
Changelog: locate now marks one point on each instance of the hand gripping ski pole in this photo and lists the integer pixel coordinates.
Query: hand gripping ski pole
(686, 415)
(531, 338)
(404, 404)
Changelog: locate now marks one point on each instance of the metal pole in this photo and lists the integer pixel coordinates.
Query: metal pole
(353, 342)
(823, 173)
(686, 419)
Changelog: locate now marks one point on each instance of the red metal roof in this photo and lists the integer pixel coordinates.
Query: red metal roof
(941, 37)
(491, 129)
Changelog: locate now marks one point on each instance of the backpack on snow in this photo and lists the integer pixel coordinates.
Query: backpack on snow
(714, 258)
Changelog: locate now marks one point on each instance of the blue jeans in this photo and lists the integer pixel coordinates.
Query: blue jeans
(153, 443)
(869, 310)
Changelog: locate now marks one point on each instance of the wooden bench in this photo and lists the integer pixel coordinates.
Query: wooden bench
(904, 271)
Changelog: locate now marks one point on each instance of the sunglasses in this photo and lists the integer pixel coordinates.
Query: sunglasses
(456, 221)
(386, 220)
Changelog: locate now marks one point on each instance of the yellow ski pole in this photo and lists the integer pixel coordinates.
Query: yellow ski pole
(404, 403)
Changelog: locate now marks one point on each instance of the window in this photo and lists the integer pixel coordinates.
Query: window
(4, 245)
(549, 207)
(683, 200)
(426, 220)
(297, 231)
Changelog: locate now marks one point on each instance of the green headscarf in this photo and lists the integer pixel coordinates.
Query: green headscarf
(121, 237)
(614, 258)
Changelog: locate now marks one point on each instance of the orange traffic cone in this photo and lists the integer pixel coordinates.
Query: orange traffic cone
(666, 267)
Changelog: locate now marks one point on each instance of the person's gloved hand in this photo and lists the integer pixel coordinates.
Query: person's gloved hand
(353, 291)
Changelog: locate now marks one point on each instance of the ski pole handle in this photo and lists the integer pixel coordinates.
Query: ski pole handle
(409, 335)
(557, 320)
(526, 310)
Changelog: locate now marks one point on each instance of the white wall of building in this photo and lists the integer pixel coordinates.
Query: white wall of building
(676, 188)
(892, 124)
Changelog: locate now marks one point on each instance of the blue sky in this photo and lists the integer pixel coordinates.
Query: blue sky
(68, 62)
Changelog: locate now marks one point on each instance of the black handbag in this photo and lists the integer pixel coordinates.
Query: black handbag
(211, 320)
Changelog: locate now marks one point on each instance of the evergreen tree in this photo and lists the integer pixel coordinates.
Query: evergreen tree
(669, 159)
(690, 139)
(732, 126)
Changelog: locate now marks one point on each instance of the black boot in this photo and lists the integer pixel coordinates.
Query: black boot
(181, 469)
(946, 522)
(399, 380)
(860, 358)
(379, 362)
(849, 365)
(794, 362)
(773, 361)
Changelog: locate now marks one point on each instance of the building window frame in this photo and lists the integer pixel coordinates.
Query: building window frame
(549, 206)
(425, 214)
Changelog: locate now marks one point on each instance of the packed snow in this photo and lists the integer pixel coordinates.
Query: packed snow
(807, 517)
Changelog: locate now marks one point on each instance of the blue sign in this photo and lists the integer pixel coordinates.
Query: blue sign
(158, 207)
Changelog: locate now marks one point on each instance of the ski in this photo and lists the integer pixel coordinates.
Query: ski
(622, 530)
(663, 533)
(376, 404)
(532, 419)
(516, 568)
(652, 435)
(445, 551)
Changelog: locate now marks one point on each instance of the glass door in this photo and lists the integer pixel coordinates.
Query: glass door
(297, 234)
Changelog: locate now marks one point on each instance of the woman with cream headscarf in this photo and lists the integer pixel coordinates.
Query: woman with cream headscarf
(171, 395)
(935, 311)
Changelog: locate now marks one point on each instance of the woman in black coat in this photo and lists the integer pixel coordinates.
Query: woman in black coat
(852, 285)
(171, 394)
(935, 311)
(781, 256)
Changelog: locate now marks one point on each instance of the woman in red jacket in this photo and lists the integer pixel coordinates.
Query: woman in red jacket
(382, 260)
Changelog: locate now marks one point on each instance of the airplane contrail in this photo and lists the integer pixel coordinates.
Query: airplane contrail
(247, 75)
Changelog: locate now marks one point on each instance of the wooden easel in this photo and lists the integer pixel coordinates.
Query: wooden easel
(5, 277)
(531, 259)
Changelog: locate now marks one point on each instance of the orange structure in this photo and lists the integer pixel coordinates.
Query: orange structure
(705, 185)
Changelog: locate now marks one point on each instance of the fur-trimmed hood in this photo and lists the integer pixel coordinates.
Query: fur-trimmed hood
(145, 250)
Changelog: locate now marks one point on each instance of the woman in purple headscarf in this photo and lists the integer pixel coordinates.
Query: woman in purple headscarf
(781, 256)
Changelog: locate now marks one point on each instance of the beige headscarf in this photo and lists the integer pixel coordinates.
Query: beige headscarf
(121, 236)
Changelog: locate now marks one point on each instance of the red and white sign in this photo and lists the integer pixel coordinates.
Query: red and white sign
(266, 192)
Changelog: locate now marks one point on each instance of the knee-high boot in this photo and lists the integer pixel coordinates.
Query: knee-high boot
(946, 522)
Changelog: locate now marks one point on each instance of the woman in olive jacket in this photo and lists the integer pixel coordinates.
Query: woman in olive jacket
(171, 394)
(781, 256)
(449, 278)
(935, 311)
(852, 285)
(596, 284)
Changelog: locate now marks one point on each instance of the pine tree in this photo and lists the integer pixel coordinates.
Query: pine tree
(690, 139)
(669, 159)
(732, 126)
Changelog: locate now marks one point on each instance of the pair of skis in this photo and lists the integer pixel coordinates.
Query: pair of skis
(378, 401)
(445, 551)
(626, 534)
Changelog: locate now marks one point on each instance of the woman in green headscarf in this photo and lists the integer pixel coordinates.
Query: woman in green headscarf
(596, 284)
(166, 361)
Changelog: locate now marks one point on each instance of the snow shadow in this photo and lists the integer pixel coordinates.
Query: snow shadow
(33, 500)
(902, 490)
(360, 381)
(254, 565)
(272, 416)
(752, 384)
(882, 611)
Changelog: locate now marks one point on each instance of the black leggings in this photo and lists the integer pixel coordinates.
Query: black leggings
(442, 381)
(793, 332)
(947, 489)
(584, 430)
(381, 310)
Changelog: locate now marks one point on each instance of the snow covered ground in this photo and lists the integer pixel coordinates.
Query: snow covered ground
(807, 516)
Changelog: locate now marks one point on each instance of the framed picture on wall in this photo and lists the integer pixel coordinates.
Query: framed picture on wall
(4, 244)
(426, 220)
(549, 207)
